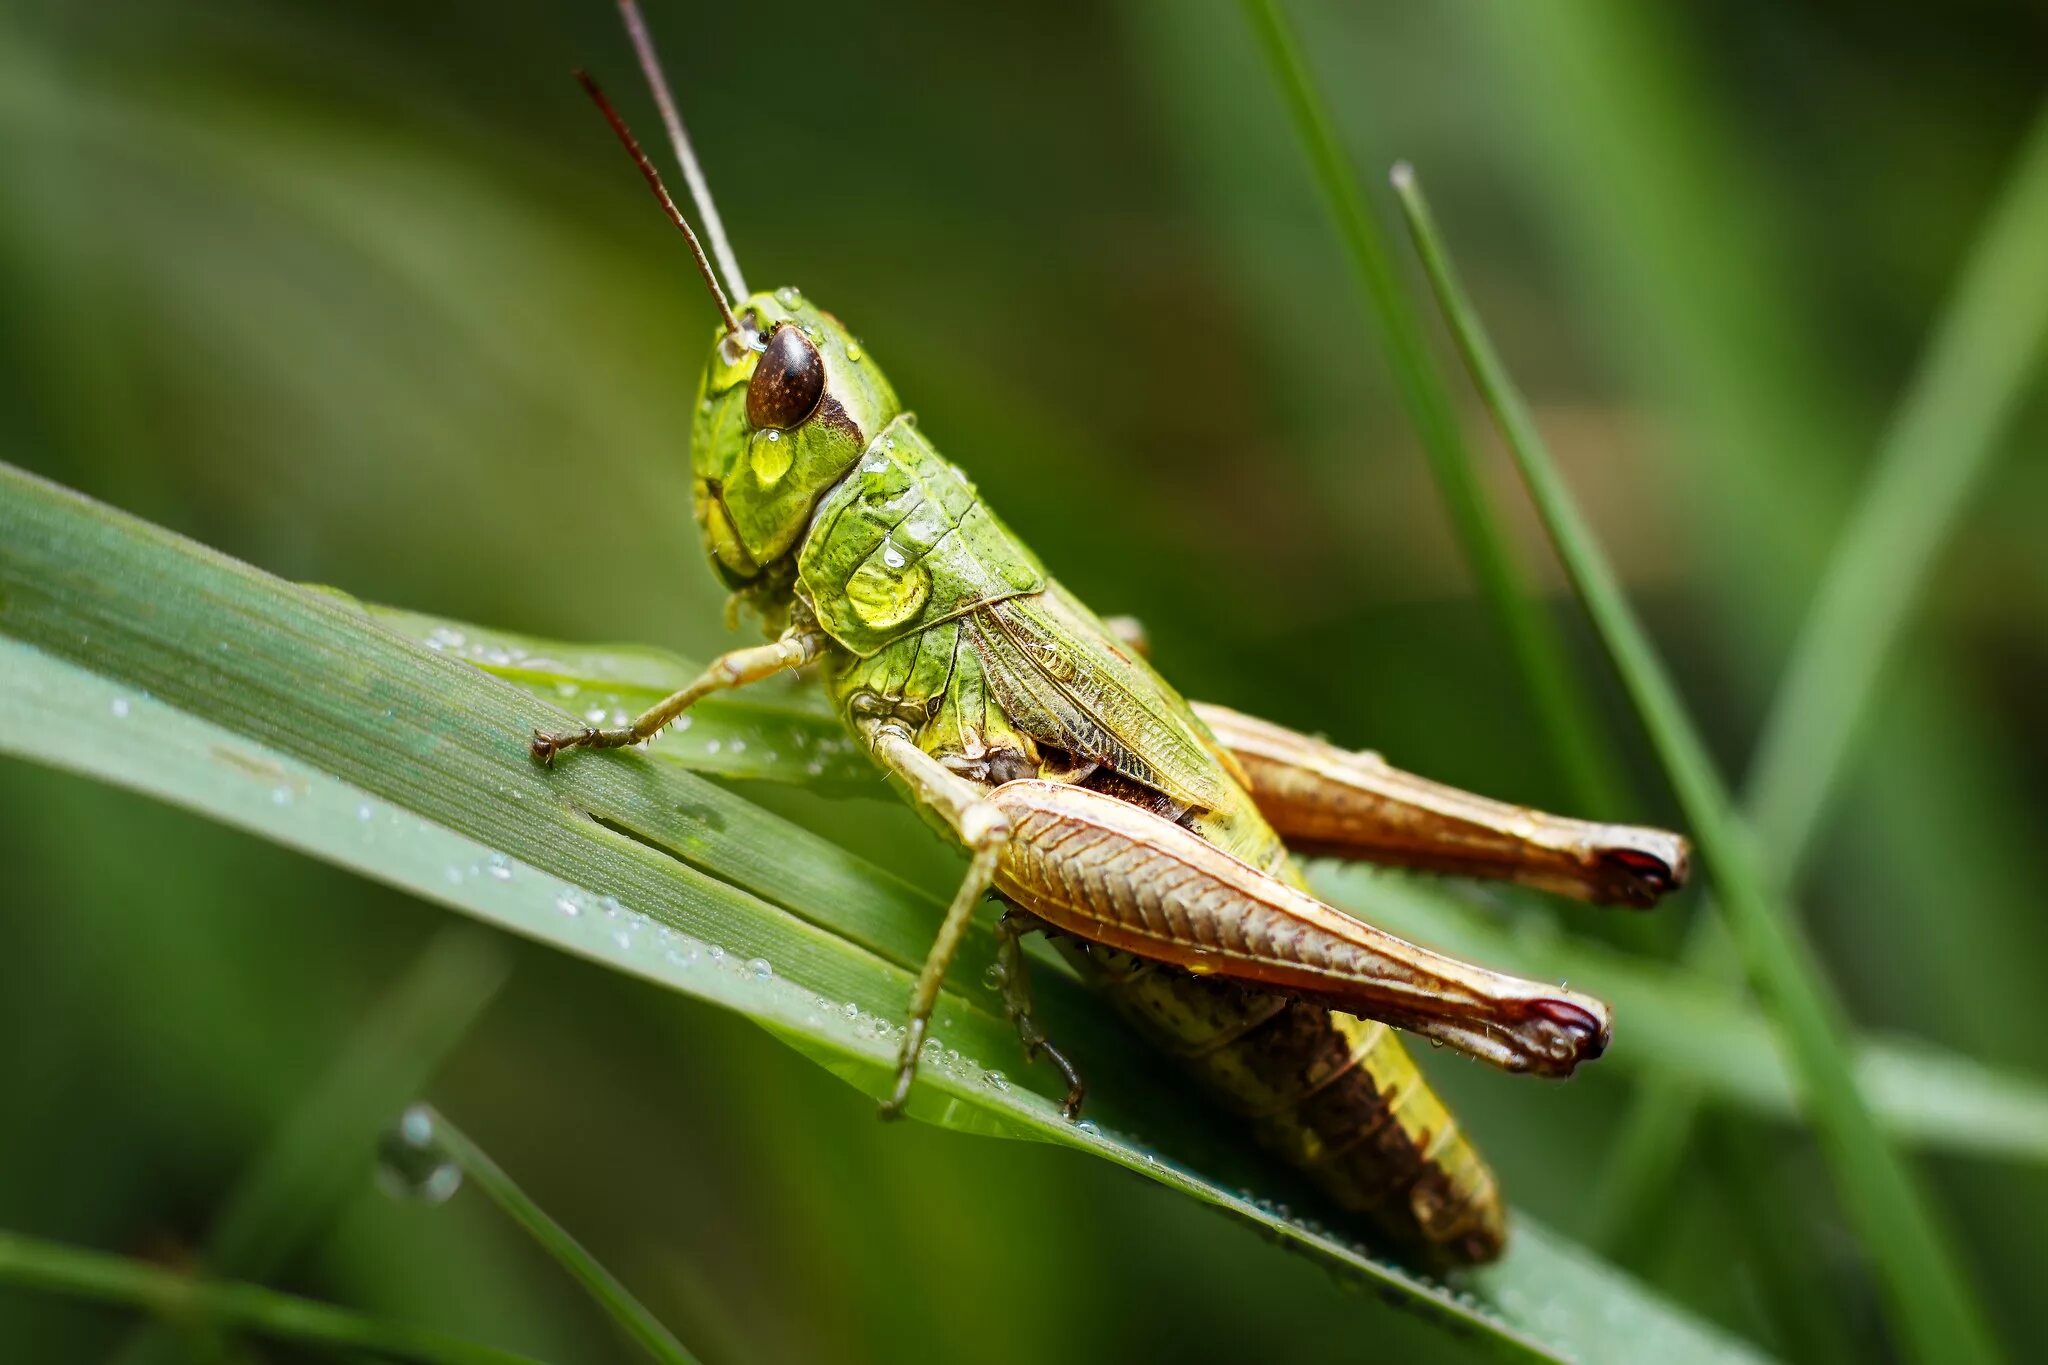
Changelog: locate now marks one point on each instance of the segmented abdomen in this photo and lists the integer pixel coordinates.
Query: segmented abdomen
(1337, 1097)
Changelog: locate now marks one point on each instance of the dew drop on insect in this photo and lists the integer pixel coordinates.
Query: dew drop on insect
(789, 296)
(762, 969)
(119, 708)
(854, 352)
(993, 976)
(769, 455)
(410, 1162)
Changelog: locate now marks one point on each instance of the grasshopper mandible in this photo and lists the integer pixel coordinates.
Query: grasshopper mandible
(1149, 837)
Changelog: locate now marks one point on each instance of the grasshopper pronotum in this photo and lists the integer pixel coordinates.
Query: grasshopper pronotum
(1148, 836)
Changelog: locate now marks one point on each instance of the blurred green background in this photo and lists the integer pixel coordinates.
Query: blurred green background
(365, 294)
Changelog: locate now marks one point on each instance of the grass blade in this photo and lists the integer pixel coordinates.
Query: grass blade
(1532, 636)
(1986, 345)
(32, 1263)
(1691, 1028)
(139, 658)
(1986, 348)
(1925, 1289)
(435, 1131)
(319, 1156)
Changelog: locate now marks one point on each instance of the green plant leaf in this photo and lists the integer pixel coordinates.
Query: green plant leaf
(1928, 1295)
(145, 660)
(1533, 638)
(1681, 1024)
(421, 1126)
(32, 1263)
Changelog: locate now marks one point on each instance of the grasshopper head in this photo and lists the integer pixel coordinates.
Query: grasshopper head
(786, 406)
(787, 402)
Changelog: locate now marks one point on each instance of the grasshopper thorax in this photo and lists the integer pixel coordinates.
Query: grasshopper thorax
(785, 408)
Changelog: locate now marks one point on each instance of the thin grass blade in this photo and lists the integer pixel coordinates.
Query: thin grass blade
(50, 1268)
(1929, 1297)
(614, 1298)
(1533, 637)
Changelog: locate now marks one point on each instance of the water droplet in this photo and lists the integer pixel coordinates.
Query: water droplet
(622, 938)
(453, 874)
(761, 968)
(410, 1162)
(501, 870)
(119, 708)
(739, 746)
(853, 351)
(568, 904)
(993, 976)
(770, 456)
(365, 811)
(611, 906)
(884, 596)
(996, 1080)
(566, 689)
(280, 796)
(789, 296)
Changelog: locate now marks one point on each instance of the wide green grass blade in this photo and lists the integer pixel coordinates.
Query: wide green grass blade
(140, 658)
(1538, 648)
(1683, 1023)
(1931, 1302)
(50, 1268)
(424, 1127)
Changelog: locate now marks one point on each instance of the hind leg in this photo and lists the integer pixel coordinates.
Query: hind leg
(1336, 802)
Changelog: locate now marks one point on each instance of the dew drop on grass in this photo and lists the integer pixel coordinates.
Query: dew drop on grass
(568, 904)
(119, 708)
(761, 968)
(410, 1162)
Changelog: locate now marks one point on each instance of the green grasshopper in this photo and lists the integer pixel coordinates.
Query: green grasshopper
(1151, 838)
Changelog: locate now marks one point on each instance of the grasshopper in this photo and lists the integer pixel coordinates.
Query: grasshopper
(1151, 838)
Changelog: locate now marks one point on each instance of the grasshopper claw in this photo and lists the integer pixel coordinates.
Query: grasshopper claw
(545, 746)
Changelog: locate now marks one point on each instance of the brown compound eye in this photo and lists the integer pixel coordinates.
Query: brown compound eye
(788, 381)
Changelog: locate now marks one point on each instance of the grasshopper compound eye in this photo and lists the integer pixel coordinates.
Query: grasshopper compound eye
(788, 381)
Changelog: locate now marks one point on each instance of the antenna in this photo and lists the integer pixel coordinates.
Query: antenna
(668, 205)
(679, 138)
